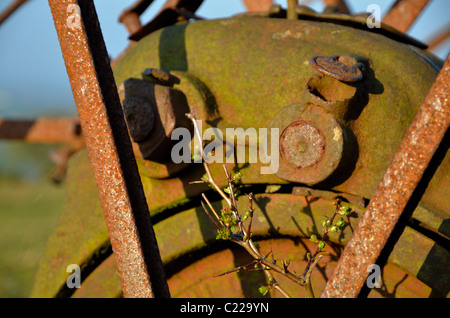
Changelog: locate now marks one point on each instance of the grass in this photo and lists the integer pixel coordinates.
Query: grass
(28, 213)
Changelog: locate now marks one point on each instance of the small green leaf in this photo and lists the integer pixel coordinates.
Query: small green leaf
(272, 188)
(322, 245)
(313, 238)
(263, 290)
(334, 228)
(344, 210)
(341, 223)
(196, 157)
(224, 234)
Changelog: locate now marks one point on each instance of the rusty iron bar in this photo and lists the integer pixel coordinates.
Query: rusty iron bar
(438, 39)
(258, 5)
(11, 9)
(403, 13)
(42, 130)
(170, 13)
(138, 7)
(130, 16)
(340, 4)
(395, 190)
(110, 151)
(291, 13)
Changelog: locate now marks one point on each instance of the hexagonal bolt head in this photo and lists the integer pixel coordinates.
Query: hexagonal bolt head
(152, 113)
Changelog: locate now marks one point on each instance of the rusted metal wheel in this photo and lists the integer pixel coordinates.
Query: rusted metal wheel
(193, 256)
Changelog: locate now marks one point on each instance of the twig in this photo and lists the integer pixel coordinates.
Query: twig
(324, 237)
(210, 180)
(212, 220)
(243, 237)
(237, 269)
(212, 209)
(250, 203)
(308, 286)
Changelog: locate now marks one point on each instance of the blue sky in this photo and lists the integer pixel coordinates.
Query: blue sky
(33, 80)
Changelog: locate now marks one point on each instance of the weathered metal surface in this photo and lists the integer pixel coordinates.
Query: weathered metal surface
(104, 282)
(198, 279)
(230, 95)
(311, 144)
(168, 107)
(358, 21)
(335, 97)
(177, 49)
(275, 214)
(69, 244)
(101, 117)
(302, 144)
(42, 130)
(139, 116)
(403, 13)
(395, 190)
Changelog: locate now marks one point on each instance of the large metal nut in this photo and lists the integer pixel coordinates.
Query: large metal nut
(311, 143)
(140, 99)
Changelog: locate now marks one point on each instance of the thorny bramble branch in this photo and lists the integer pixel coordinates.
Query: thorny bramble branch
(229, 218)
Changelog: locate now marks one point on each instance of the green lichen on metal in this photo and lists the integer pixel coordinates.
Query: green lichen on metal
(251, 85)
(427, 260)
(80, 235)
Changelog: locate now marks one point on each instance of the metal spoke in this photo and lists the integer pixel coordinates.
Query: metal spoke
(124, 204)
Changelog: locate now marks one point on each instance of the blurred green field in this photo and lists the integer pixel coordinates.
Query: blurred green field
(28, 213)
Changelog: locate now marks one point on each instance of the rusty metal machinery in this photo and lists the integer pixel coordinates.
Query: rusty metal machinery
(353, 107)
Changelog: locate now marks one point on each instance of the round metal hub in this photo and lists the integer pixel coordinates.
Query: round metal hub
(302, 144)
(311, 143)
